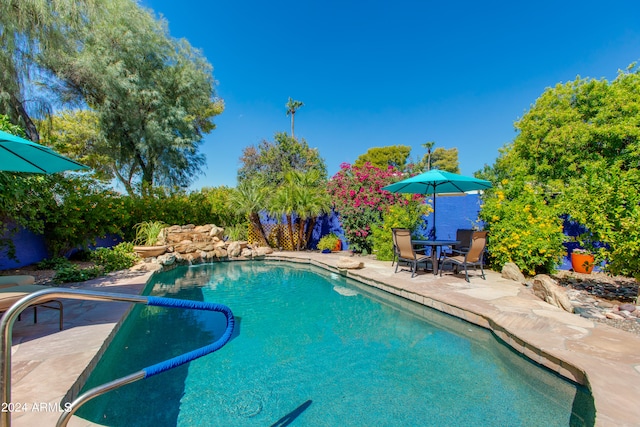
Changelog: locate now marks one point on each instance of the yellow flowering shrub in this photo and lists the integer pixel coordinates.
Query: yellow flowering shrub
(523, 229)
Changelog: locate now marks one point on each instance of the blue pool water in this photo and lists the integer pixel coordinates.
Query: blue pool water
(315, 349)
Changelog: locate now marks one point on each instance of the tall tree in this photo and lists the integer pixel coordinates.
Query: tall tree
(76, 134)
(578, 143)
(154, 95)
(428, 146)
(445, 159)
(292, 107)
(272, 160)
(382, 157)
(28, 30)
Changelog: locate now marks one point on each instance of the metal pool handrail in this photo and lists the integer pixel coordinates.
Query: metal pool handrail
(9, 318)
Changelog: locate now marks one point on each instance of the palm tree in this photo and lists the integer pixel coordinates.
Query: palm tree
(312, 200)
(292, 107)
(428, 146)
(249, 198)
(284, 202)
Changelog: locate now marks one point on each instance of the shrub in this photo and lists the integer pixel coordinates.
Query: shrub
(148, 232)
(120, 257)
(523, 229)
(360, 201)
(330, 241)
(55, 263)
(73, 273)
(398, 216)
(238, 232)
(85, 211)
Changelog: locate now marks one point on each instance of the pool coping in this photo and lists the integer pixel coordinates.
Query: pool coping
(604, 359)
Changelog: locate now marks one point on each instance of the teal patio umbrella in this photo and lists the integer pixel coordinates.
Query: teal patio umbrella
(437, 182)
(21, 155)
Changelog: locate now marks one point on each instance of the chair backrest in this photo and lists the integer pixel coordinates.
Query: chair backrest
(395, 239)
(478, 243)
(403, 243)
(464, 237)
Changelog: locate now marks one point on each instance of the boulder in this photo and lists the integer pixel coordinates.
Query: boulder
(221, 252)
(203, 228)
(547, 289)
(512, 272)
(262, 251)
(216, 232)
(246, 252)
(628, 307)
(349, 263)
(234, 249)
(166, 259)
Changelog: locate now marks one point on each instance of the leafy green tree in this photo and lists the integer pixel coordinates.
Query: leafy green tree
(580, 142)
(217, 198)
(76, 134)
(28, 30)
(292, 108)
(614, 218)
(394, 156)
(272, 160)
(153, 95)
(445, 159)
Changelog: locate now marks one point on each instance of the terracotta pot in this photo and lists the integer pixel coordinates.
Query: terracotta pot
(582, 263)
(338, 246)
(149, 251)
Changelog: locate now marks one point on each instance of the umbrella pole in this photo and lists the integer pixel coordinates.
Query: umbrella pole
(434, 214)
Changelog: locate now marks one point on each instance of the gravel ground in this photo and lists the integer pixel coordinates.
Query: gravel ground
(603, 288)
(607, 291)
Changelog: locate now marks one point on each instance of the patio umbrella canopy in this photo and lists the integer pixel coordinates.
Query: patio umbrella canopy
(437, 182)
(20, 155)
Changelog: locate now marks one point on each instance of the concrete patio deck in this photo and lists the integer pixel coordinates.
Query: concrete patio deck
(49, 364)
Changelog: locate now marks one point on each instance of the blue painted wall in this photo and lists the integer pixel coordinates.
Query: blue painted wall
(30, 248)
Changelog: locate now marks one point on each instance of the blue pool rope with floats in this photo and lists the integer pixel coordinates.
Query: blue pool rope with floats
(203, 351)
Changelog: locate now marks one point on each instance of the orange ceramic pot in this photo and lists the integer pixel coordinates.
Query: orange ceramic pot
(338, 246)
(582, 263)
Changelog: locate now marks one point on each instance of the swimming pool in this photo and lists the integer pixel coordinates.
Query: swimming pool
(316, 349)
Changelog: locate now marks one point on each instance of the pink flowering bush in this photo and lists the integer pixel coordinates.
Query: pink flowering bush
(360, 202)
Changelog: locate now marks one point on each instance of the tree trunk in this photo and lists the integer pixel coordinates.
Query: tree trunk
(290, 225)
(300, 233)
(293, 114)
(255, 220)
(30, 128)
(310, 226)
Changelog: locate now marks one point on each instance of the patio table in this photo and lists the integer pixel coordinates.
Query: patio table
(434, 245)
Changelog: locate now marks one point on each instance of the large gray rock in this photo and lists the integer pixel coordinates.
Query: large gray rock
(512, 272)
(166, 259)
(547, 289)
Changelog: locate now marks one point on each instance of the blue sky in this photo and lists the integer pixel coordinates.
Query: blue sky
(378, 73)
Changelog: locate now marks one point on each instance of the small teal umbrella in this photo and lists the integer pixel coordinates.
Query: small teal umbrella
(437, 182)
(20, 155)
